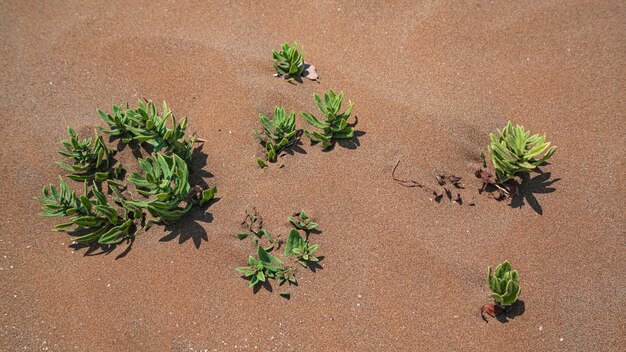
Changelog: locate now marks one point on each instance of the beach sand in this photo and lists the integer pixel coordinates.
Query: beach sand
(429, 80)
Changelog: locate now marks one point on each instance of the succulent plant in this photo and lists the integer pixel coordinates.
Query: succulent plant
(335, 125)
(513, 151)
(145, 125)
(504, 284)
(91, 157)
(261, 268)
(95, 219)
(166, 177)
(289, 62)
(278, 132)
(300, 248)
(302, 222)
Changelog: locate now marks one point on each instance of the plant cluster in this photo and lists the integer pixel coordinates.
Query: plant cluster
(299, 247)
(289, 62)
(91, 157)
(335, 124)
(279, 132)
(144, 125)
(266, 266)
(166, 177)
(90, 214)
(302, 222)
(163, 182)
(513, 151)
(263, 267)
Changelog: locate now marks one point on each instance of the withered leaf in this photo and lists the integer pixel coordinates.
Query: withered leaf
(310, 72)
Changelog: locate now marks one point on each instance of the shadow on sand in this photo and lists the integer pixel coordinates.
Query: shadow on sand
(539, 184)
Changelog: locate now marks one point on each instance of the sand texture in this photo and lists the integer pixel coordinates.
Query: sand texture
(429, 79)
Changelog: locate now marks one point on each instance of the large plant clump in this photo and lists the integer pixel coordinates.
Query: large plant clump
(113, 216)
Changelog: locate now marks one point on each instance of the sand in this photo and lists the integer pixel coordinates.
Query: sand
(429, 80)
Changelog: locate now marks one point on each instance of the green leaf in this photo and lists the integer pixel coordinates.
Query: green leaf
(294, 240)
(207, 195)
(242, 235)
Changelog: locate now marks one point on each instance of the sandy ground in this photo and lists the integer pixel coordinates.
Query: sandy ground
(401, 273)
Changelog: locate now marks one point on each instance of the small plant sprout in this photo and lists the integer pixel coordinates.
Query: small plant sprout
(300, 248)
(91, 157)
(505, 289)
(335, 125)
(95, 219)
(265, 266)
(513, 151)
(145, 125)
(166, 178)
(302, 222)
(279, 132)
(287, 275)
(289, 62)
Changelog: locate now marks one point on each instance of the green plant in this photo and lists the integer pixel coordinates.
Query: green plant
(91, 157)
(261, 268)
(513, 151)
(504, 284)
(166, 177)
(95, 219)
(300, 248)
(302, 222)
(289, 62)
(335, 125)
(287, 275)
(278, 132)
(145, 125)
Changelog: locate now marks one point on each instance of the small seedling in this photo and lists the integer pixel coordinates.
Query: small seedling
(504, 284)
(505, 289)
(91, 157)
(145, 125)
(279, 132)
(513, 151)
(253, 224)
(302, 222)
(300, 248)
(166, 178)
(99, 221)
(287, 275)
(335, 125)
(261, 268)
(289, 62)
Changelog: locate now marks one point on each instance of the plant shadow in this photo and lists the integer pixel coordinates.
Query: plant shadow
(517, 309)
(315, 266)
(539, 184)
(197, 173)
(266, 285)
(94, 249)
(348, 143)
(295, 147)
(189, 226)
